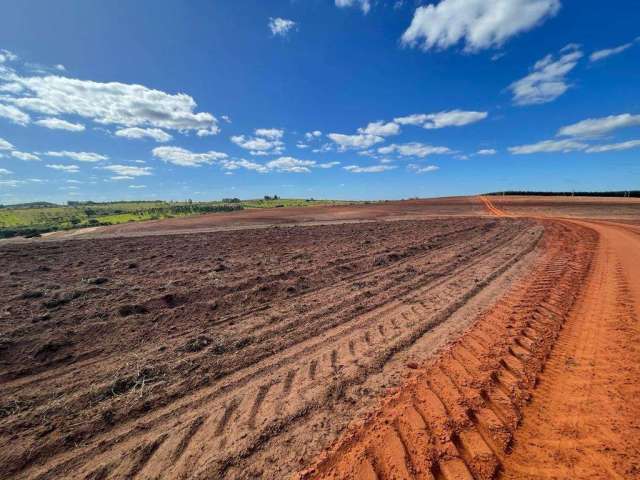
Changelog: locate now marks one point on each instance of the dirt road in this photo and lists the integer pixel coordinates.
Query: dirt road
(584, 421)
(544, 385)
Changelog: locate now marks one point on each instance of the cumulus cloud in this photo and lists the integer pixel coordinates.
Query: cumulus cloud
(64, 168)
(365, 5)
(422, 168)
(547, 81)
(138, 133)
(186, 158)
(261, 144)
(281, 164)
(451, 118)
(414, 149)
(381, 129)
(291, 165)
(14, 114)
(281, 26)
(608, 52)
(371, 169)
(312, 135)
(107, 103)
(614, 147)
(27, 157)
(479, 24)
(242, 163)
(270, 133)
(5, 145)
(59, 124)
(357, 142)
(327, 164)
(594, 127)
(548, 146)
(486, 151)
(128, 170)
(7, 56)
(78, 156)
(4, 171)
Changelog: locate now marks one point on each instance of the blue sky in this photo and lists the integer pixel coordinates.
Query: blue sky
(357, 99)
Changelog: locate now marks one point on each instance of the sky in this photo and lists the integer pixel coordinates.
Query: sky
(335, 99)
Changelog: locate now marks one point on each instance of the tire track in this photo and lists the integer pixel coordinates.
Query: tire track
(471, 398)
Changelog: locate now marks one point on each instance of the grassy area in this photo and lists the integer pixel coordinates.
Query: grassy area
(41, 217)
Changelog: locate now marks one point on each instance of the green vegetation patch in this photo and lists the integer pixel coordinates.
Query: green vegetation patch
(33, 219)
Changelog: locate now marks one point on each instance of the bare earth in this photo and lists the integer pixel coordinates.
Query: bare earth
(450, 338)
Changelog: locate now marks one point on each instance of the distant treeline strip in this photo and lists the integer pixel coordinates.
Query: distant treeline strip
(94, 217)
(624, 193)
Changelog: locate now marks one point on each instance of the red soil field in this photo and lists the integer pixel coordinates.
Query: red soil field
(458, 338)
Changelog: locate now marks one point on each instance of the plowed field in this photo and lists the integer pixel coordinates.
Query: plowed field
(544, 385)
(392, 343)
(226, 355)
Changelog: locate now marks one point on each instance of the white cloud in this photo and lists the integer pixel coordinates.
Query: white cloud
(226, 118)
(111, 103)
(137, 186)
(259, 145)
(360, 141)
(14, 114)
(4, 171)
(12, 183)
(548, 79)
(451, 118)
(59, 124)
(593, 127)
(78, 156)
(27, 157)
(270, 133)
(547, 146)
(185, 158)
(65, 168)
(479, 24)
(290, 165)
(608, 52)
(371, 169)
(13, 88)
(138, 133)
(242, 163)
(7, 56)
(486, 151)
(422, 169)
(4, 145)
(302, 146)
(381, 129)
(365, 5)
(327, 164)
(281, 26)
(312, 135)
(128, 171)
(414, 149)
(282, 164)
(614, 147)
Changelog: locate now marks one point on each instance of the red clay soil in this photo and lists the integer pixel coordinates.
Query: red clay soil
(604, 208)
(237, 354)
(260, 217)
(543, 386)
(456, 417)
